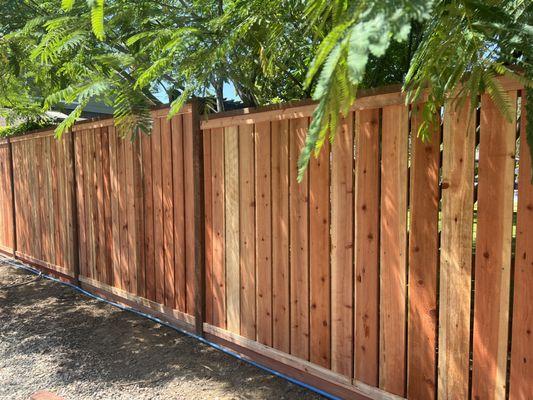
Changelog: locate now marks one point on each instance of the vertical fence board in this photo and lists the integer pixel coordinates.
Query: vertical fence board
(456, 252)
(149, 247)
(393, 246)
(85, 198)
(342, 313)
(7, 235)
(299, 244)
(280, 235)
(367, 246)
(208, 209)
(100, 227)
(231, 191)
(188, 174)
(37, 199)
(48, 220)
(57, 169)
(131, 214)
(125, 259)
(42, 239)
(423, 263)
(521, 384)
(319, 256)
(180, 233)
(115, 228)
(168, 212)
(91, 194)
(159, 256)
(70, 260)
(108, 241)
(493, 250)
(263, 158)
(219, 232)
(246, 228)
(80, 206)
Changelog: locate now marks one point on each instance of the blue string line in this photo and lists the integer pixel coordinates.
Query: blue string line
(17, 265)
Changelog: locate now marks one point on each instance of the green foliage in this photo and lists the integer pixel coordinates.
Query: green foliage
(134, 55)
(360, 30)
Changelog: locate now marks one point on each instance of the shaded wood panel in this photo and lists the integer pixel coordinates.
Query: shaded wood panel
(456, 252)
(218, 286)
(280, 235)
(6, 200)
(299, 244)
(393, 246)
(180, 234)
(190, 207)
(167, 169)
(342, 282)
(366, 219)
(521, 384)
(246, 232)
(319, 259)
(493, 250)
(232, 237)
(423, 262)
(263, 232)
(157, 191)
(208, 207)
(43, 168)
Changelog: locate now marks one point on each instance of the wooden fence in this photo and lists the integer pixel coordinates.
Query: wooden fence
(7, 235)
(397, 268)
(43, 181)
(134, 212)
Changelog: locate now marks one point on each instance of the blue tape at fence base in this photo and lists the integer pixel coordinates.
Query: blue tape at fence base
(15, 264)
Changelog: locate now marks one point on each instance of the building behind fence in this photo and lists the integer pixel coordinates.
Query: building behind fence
(397, 268)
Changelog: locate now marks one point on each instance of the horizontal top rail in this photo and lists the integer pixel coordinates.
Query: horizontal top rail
(367, 99)
(43, 133)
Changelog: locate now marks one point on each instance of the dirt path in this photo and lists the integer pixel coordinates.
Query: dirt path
(54, 338)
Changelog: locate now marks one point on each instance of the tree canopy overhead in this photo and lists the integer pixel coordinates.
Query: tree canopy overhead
(136, 54)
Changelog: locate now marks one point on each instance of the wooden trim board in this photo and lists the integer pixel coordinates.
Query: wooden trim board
(185, 320)
(334, 383)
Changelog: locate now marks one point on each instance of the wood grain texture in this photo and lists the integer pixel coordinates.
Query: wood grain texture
(123, 215)
(393, 246)
(219, 232)
(299, 244)
(493, 250)
(100, 222)
(263, 232)
(246, 232)
(115, 182)
(232, 242)
(108, 224)
(423, 262)
(521, 384)
(342, 201)
(190, 207)
(80, 203)
(157, 179)
(180, 273)
(167, 169)
(456, 252)
(367, 246)
(280, 235)
(319, 259)
(208, 209)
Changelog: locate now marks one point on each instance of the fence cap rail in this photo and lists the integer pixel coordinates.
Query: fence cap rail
(366, 99)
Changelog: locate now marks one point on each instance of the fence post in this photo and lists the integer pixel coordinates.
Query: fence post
(199, 216)
(12, 183)
(74, 210)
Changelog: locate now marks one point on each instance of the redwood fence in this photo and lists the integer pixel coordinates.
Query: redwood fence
(396, 269)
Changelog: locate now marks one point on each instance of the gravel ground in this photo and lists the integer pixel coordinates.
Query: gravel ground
(56, 339)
